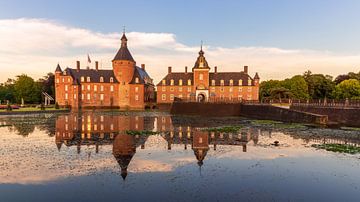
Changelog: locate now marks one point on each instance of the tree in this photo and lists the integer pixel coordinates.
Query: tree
(297, 86)
(343, 77)
(267, 86)
(48, 84)
(26, 88)
(280, 92)
(319, 86)
(348, 89)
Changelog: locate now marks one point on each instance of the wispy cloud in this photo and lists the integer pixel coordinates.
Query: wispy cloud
(35, 46)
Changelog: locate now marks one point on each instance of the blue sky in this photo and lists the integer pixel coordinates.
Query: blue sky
(277, 38)
(299, 24)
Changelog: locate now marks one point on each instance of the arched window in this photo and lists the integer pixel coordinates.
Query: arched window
(101, 79)
(111, 79)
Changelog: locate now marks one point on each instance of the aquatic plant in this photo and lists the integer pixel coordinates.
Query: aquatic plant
(224, 129)
(341, 148)
(141, 132)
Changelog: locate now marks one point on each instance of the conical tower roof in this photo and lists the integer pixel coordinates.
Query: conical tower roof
(124, 53)
(201, 62)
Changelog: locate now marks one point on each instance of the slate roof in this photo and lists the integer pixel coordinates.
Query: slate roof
(226, 76)
(143, 76)
(124, 53)
(58, 68)
(92, 73)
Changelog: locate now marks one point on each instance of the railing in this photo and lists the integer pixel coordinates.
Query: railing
(328, 103)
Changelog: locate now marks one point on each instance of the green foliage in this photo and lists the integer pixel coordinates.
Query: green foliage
(342, 148)
(141, 132)
(347, 89)
(297, 87)
(319, 86)
(25, 87)
(8, 107)
(224, 129)
(267, 86)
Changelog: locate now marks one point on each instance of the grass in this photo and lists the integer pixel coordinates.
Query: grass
(224, 129)
(265, 122)
(350, 128)
(341, 148)
(141, 132)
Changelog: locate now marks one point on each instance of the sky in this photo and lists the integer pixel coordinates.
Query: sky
(277, 38)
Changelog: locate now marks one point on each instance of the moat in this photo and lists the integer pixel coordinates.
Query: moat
(153, 156)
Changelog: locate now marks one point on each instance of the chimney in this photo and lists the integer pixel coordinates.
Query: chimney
(185, 69)
(143, 66)
(245, 69)
(97, 65)
(169, 69)
(215, 69)
(78, 65)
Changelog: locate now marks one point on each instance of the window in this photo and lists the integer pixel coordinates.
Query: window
(82, 87)
(201, 77)
(249, 97)
(136, 97)
(101, 97)
(57, 80)
(82, 96)
(66, 87)
(180, 96)
(68, 79)
(163, 82)
(63, 80)
(249, 89)
(171, 88)
(101, 88)
(172, 82)
(240, 89)
(88, 87)
(180, 82)
(163, 97)
(111, 79)
(88, 79)
(101, 79)
(189, 82)
(136, 80)
(88, 96)
(231, 89)
(213, 82)
(180, 89)
(111, 88)
(171, 96)
(240, 97)
(95, 88)
(136, 89)
(74, 96)
(212, 89)
(189, 89)
(66, 96)
(222, 89)
(240, 82)
(163, 88)
(222, 82)
(231, 82)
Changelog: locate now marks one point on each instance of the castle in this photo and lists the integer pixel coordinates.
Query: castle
(202, 85)
(126, 86)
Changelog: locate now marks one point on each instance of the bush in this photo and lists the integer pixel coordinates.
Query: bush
(57, 106)
(8, 107)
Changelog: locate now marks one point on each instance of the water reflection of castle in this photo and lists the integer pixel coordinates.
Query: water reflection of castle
(93, 129)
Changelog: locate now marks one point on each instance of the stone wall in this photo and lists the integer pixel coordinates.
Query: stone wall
(342, 115)
(255, 111)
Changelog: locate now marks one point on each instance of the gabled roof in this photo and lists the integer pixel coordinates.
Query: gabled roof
(124, 53)
(94, 75)
(143, 76)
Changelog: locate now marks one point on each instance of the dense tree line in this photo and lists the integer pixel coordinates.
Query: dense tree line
(312, 86)
(26, 88)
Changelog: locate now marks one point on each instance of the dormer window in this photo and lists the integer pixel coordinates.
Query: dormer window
(82, 79)
(231, 82)
(111, 80)
(221, 82)
(240, 82)
(213, 82)
(101, 79)
(180, 82)
(88, 79)
(172, 82)
(249, 82)
(189, 82)
(164, 82)
(136, 80)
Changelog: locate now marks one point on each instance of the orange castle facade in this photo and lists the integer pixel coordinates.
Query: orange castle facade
(203, 85)
(126, 86)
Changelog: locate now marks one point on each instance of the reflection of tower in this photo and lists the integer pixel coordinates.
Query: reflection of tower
(124, 148)
(200, 145)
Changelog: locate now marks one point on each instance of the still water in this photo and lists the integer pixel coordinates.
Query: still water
(97, 156)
